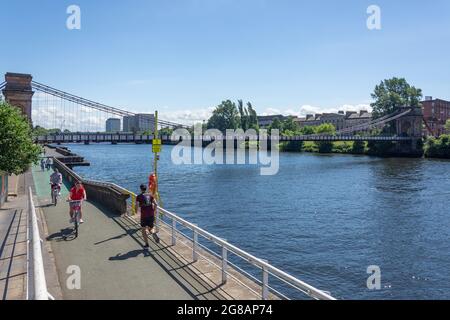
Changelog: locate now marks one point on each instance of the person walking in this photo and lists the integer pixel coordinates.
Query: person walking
(43, 164)
(48, 164)
(146, 203)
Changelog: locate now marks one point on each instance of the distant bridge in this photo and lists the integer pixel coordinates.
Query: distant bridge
(137, 138)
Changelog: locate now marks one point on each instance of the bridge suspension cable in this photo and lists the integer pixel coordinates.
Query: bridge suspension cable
(375, 123)
(94, 105)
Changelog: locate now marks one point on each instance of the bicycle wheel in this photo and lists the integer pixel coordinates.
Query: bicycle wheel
(76, 224)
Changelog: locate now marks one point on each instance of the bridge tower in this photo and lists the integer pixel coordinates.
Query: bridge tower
(410, 125)
(18, 92)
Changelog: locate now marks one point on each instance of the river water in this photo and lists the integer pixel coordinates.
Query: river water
(323, 218)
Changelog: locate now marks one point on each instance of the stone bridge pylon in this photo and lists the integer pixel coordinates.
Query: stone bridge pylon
(19, 92)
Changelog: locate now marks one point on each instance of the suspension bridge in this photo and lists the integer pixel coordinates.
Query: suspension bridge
(79, 119)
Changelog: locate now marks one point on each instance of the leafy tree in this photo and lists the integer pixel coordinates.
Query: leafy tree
(290, 125)
(438, 148)
(277, 124)
(307, 130)
(252, 117)
(225, 116)
(328, 129)
(447, 126)
(17, 150)
(392, 94)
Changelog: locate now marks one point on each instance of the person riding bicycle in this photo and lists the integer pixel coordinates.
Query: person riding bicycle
(77, 193)
(147, 205)
(56, 180)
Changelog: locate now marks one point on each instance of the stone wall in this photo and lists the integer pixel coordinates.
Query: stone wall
(3, 188)
(104, 194)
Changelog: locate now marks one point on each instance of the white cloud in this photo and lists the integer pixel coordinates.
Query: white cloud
(187, 117)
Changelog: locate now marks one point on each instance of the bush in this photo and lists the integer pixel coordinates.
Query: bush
(438, 148)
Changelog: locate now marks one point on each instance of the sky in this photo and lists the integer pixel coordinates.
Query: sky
(184, 57)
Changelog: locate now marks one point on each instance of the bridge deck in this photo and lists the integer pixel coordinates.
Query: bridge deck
(109, 252)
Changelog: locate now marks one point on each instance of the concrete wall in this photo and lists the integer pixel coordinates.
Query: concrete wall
(103, 194)
(3, 188)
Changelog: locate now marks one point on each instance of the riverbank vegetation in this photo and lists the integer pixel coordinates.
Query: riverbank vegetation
(438, 147)
(17, 150)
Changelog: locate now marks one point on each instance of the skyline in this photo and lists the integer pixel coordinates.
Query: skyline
(187, 57)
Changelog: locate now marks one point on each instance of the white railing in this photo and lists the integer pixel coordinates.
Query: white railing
(225, 247)
(36, 283)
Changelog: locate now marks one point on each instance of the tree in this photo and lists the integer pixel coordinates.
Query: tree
(277, 125)
(447, 126)
(17, 150)
(290, 125)
(252, 117)
(224, 117)
(392, 94)
(328, 129)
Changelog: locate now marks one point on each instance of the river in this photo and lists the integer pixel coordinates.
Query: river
(323, 218)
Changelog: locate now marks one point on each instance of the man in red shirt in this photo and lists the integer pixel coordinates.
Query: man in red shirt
(77, 193)
(146, 203)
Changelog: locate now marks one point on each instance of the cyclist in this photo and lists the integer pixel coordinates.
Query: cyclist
(77, 193)
(56, 180)
(146, 203)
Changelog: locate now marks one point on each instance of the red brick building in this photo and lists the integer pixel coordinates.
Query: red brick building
(436, 112)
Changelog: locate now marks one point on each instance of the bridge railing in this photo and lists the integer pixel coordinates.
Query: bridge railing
(265, 292)
(36, 283)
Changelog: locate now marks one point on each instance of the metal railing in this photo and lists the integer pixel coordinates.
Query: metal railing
(36, 283)
(225, 249)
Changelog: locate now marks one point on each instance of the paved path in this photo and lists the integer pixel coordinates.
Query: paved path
(13, 248)
(110, 256)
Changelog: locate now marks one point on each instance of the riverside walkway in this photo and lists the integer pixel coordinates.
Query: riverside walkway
(109, 253)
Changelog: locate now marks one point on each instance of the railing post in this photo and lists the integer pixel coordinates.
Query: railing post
(224, 265)
(265, 283)
(174, 229)
(194, 246)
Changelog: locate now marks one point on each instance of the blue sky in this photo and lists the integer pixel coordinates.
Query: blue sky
(185, 56)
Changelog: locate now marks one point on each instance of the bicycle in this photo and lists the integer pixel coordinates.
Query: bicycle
(76, 214)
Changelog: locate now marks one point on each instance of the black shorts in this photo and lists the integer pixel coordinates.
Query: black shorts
(148, 222)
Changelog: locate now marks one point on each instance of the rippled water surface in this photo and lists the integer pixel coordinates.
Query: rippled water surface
(322, 218)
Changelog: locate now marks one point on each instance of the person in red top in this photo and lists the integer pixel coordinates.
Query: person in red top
(77, 193)
(146, 203)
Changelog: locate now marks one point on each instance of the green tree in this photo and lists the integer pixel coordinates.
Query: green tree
(447, 126)
(225, 116)
(252, 117)
(17, 150)
(325, 129)
(290, 125)
(277, 124)
(307, 130)
(392, 94)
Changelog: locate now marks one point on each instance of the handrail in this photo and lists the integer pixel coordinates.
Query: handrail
(227, 247)
(310, 290)
(36, 274)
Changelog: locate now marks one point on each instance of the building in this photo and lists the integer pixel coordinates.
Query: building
(266, 121)
(113, 125)
(339, 120)
(145, 122)
(128, 124)
(436, 112)
(353, 118)
(139, 123)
